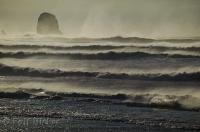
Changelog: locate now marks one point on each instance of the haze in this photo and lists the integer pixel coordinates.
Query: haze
(97, 18)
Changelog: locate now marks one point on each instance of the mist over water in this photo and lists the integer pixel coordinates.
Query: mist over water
(132, 61)
(105, 18)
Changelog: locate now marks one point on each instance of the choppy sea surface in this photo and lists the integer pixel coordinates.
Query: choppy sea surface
(109, 84)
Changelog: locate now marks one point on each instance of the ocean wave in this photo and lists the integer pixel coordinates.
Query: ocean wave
(121, 39)
(78, 47)
(99, 47)
(106, 39)
(95, 56)
(31, 72)
(127, 39)
(148, 40)
(139, 100)
(184, 102)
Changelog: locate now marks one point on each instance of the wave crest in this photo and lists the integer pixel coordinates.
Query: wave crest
(98, 56)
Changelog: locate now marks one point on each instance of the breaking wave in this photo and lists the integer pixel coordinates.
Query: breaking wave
(18, 71)
(141, 100)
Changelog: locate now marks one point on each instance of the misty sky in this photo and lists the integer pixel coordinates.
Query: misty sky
(96, 18)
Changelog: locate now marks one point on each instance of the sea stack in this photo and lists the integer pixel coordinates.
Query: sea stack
(48, 24)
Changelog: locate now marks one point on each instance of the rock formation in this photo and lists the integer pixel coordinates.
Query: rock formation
(47, 24)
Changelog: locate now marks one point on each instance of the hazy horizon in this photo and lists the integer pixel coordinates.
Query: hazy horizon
(101, 18)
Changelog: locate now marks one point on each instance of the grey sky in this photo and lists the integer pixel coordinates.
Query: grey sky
(145, 18)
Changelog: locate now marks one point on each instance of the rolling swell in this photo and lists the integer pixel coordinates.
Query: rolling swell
(97, 56)
(31, 72)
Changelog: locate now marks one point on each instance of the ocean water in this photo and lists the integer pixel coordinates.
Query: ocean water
(115, 84)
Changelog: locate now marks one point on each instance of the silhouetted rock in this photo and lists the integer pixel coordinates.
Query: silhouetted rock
(47, 24)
